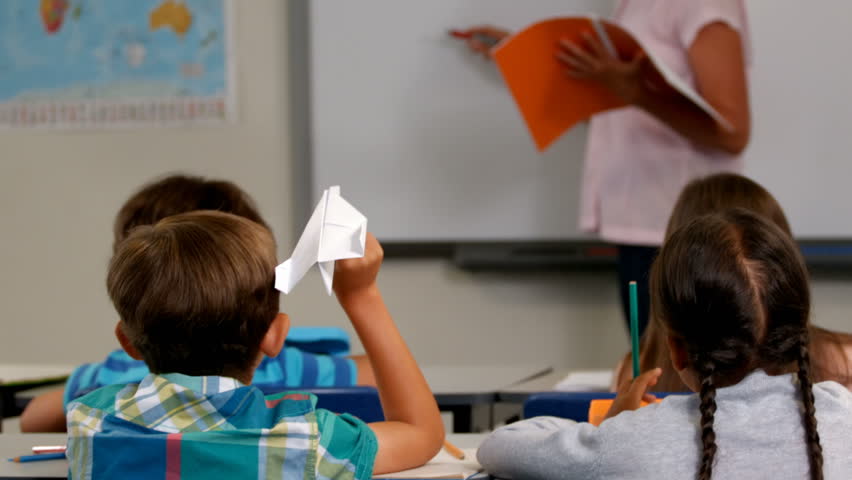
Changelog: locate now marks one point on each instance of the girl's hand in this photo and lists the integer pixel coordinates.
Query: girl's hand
(354, 275)
(592, 61)
(631, 393)
(478, 36)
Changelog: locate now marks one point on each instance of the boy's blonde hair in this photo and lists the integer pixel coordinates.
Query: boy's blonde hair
(195, 292)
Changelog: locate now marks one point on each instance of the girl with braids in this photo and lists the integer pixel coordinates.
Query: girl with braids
(730, 292)
(831, 352)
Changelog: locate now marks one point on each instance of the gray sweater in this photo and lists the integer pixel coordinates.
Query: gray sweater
(759, 434)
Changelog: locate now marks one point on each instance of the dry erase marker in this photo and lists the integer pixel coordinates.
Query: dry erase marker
(41, 449)
(38, 458)
(486, 40)
(634, 327)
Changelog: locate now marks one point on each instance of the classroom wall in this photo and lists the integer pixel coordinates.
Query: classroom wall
(59, 192)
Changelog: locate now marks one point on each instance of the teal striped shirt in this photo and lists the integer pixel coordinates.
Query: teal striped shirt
(293, 368)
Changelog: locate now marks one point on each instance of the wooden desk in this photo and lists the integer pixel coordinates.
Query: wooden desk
(519, 392)
(22, 375)
(464, 385)
(461, 389)
(14, 378)
(16, 444)
(12, 445)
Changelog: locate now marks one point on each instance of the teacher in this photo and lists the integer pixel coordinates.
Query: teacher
(639, 158)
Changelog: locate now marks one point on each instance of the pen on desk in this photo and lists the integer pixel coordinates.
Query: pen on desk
(453, 450)
(634, 327)
(41, 449)
(38, 458)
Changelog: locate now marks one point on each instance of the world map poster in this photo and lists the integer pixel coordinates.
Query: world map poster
(108, 63)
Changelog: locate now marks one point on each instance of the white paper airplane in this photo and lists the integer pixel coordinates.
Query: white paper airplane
(336, 230)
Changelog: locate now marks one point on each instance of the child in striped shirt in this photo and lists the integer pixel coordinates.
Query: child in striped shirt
(295, 366)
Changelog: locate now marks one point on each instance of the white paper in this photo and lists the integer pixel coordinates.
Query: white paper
(586, 381)
(443, 465)
(602, 35)
(335, 231)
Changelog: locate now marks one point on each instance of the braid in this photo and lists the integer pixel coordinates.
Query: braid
(732, 289)
(809, 417)
(708, 411)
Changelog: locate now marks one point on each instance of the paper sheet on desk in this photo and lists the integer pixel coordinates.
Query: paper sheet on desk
(335, 231)
(586, 381)
(443, 465)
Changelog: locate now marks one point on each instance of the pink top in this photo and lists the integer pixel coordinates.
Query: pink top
(636, 165)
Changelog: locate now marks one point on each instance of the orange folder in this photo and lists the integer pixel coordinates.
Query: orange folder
(550, 101)
(599, 408)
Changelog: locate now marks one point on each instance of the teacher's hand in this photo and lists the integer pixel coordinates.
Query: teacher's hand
(591, 61)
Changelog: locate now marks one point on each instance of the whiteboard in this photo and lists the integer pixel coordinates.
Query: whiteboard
(425, 139)
(801, 145)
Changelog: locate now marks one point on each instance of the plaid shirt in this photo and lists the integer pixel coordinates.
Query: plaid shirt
(178, 427)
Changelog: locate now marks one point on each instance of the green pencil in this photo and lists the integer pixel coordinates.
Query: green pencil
(634, 327)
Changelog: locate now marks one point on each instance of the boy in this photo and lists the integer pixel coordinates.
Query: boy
(196, 302)
(170, 196)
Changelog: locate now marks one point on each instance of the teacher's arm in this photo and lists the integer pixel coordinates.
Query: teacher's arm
(718, 63)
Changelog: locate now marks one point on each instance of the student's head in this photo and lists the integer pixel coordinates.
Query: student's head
(730, 290)
(195, 293)
(180, 194)
(714, 193)
(722, 191)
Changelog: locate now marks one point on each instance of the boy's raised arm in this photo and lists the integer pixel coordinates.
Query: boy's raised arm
(413, 431)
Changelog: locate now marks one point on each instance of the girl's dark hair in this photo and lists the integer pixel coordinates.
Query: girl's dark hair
(715, 193)
(732, 289)
(722, 191)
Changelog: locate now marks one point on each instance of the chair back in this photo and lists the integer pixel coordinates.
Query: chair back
(570, 405)
(362, 402)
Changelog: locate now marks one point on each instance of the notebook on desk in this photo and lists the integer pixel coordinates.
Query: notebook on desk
(443, 466)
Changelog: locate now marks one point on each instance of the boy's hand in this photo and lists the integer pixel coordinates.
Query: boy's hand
(631, 393)
(357, 274)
